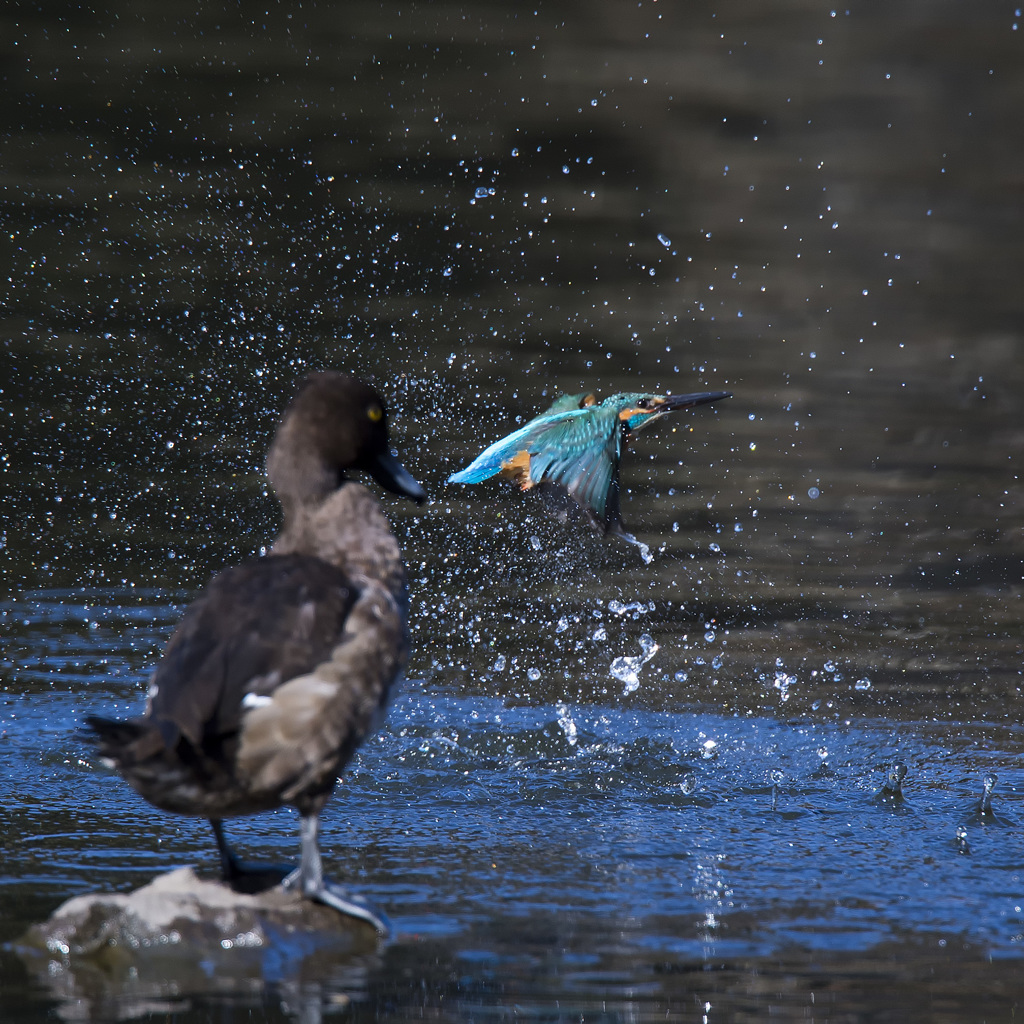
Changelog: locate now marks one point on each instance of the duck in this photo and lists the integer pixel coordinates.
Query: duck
(575, 447)
(282, 665)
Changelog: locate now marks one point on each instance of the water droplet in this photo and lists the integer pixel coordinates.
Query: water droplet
(618, 608)
(813, 493)
(535, 543)
(499, 664)
(563, 625)
(782, 683)
(625, 670)
(681, 676)
(709, 636)
(665, 241)
(533, 674)
(689, 784)
(862, 684)
(962, 845)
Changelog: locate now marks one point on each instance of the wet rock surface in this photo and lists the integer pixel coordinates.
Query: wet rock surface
(123, 955)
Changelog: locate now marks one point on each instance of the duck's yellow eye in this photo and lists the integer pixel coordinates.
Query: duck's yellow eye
(374, 413)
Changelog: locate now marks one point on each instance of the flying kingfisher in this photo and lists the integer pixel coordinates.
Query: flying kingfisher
(575, 446)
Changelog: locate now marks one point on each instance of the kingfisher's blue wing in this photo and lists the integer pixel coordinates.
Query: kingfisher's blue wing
(577, 449)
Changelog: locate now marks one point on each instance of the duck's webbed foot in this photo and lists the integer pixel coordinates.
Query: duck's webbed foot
(308, 877)
(244, 877)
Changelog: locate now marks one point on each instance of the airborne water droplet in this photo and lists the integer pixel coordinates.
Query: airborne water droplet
(626, 669)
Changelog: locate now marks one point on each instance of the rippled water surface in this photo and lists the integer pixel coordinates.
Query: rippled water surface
(611, 789)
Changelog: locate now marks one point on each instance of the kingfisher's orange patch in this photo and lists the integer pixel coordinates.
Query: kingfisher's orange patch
(588, 400)
(628, 414)
(518, 469)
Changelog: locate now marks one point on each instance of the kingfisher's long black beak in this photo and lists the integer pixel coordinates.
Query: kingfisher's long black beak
(684, 401)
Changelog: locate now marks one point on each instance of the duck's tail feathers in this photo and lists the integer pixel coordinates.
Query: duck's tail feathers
(121, 742)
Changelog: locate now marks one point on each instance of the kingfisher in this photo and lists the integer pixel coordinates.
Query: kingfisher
(575, 447)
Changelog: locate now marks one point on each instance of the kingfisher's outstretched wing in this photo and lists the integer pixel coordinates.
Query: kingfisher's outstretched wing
(575, 445)
(577, 449)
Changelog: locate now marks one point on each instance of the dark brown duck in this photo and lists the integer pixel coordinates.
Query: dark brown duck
(282, 665)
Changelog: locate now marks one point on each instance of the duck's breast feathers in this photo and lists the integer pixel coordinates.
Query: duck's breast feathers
(253, 628)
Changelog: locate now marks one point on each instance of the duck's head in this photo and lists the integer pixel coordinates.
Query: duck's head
(637, 411)
(335, 424)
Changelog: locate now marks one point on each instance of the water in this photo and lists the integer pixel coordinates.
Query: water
(620, 783)
(637, 841)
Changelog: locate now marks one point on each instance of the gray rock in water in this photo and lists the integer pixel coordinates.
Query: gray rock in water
(120, 956)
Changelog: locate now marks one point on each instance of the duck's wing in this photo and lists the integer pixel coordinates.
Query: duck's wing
(577, 450)
(254, 627)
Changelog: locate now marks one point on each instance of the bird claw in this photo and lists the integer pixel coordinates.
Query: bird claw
(344, 901)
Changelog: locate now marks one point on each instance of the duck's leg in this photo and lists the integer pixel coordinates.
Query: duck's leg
(242, 877)
(309, 877)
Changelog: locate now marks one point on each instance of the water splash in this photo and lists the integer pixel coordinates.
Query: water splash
(892, 788)
(568, 726)
(962, 846)
(782, 682)
(982, 812)
(617, 607)
(645, 550)
(985, 803)
(626, 669)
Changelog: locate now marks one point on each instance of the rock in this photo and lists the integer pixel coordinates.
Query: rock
(124, 955)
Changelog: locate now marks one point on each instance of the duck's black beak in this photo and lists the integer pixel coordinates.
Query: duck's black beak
(683, 401)
(390, 473)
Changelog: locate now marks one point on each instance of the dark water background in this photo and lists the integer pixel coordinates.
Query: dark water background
(478, 206)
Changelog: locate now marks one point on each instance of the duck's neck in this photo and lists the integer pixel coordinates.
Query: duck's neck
(347, 529)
